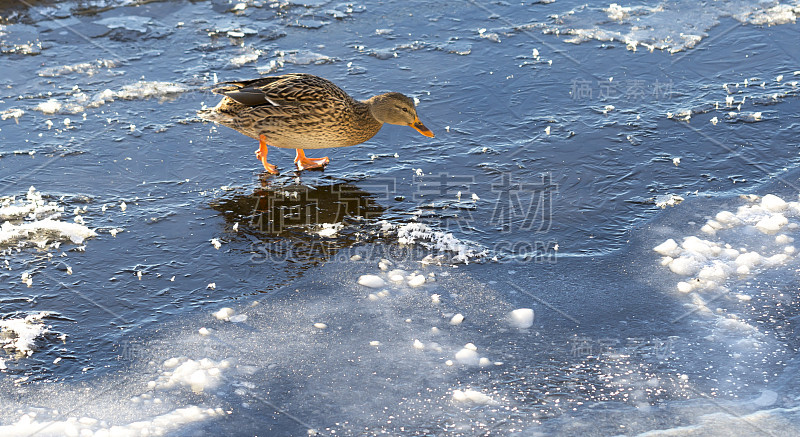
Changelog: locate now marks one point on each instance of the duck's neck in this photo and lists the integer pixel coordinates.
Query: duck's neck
(363, 122)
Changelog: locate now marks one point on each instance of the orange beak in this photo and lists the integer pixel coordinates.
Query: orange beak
(421, 128)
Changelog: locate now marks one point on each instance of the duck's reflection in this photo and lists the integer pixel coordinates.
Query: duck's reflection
(302, 223)
(285, 209)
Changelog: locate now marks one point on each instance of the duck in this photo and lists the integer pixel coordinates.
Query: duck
(303, 111)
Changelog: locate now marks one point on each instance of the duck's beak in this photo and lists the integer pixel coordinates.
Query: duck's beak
(421, 128)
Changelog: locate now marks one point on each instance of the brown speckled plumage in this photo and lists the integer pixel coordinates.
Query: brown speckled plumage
(303, 111)
(298, 111)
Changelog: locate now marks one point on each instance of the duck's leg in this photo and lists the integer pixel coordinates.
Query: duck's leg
(261, 154)
(304, 163)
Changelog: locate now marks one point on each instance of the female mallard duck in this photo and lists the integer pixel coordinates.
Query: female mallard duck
(303, 111)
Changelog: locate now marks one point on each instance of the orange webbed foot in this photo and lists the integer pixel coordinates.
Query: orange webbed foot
(305, 163)
(261, 154)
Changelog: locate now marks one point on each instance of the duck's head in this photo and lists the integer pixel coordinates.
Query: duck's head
(395, 108)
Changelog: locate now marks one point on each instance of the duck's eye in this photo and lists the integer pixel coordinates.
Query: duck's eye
(404, 109)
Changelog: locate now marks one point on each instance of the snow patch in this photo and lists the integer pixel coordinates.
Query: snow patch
(521, 318)
(329, 230)
(296, 57)
(78, 101)
(88, 68)
(472, 397)
(18, 335)
(31, 423)
(32, 221)
(199, 375)
(424, 235)
(371, 281)
(710, 265)
(671, 27)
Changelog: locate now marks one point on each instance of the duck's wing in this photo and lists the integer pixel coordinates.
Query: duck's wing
(287, 90)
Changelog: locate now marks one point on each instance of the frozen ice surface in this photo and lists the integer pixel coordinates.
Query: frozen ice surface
(326, 333)
(314, 334)
(132, 22)
(618, 344)
(238, 318)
